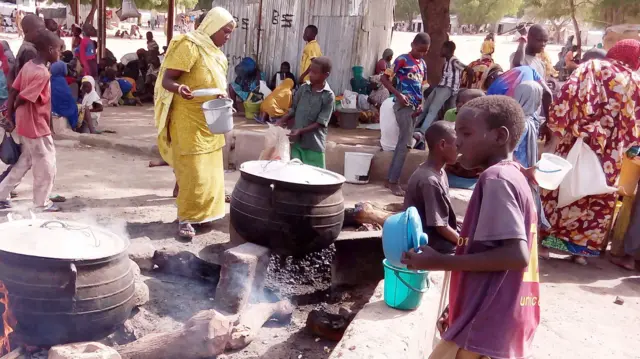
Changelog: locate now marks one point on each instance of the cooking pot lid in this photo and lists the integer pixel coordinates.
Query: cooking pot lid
(59, 240)
(293, 171)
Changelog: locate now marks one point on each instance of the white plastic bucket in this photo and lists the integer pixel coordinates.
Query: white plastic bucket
(551, 170)
(356, 166)
(219, 115)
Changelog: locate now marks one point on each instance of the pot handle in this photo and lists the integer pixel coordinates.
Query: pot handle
(73, 278)
(47, 223)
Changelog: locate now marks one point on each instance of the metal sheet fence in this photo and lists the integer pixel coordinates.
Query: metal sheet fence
(351, 32)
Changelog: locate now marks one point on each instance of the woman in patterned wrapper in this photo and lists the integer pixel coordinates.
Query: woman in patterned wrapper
(600, 103)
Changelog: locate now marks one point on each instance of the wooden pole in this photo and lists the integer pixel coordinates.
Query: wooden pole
(99, 27)
(102, 28)
(76, 11)
(170, 17)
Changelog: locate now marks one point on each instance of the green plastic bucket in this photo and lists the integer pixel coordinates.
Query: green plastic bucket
(403, 288)
(251, 109)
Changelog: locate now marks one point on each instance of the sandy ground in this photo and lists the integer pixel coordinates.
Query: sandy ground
(119, 192)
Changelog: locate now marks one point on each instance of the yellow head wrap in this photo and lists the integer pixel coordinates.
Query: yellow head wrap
(215, 20)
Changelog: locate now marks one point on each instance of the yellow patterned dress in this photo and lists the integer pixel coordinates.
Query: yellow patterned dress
(184, 140)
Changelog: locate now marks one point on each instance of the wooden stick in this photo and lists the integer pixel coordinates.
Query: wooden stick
(204, 335)
(248, 325)
(208, 334)
(14, 354)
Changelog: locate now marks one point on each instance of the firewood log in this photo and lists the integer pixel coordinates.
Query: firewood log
(205, 335)
(252, 319)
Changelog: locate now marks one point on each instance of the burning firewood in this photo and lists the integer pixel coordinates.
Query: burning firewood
(207, 334)
(8, 321)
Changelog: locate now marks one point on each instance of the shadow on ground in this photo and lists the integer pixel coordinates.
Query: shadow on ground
(561, 270)
(304, 344)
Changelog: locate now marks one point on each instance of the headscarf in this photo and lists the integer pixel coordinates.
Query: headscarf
(278, 103)
(626, 51)
(8, 52)
(246, 74)
(62, 101)
(6, 66)
(213, 58)
(481, 70)
(91, 97)
(380, 94)
(386, 53)
(529, 96)
(506, 83)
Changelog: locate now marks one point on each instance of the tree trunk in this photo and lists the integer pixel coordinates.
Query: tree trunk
(92, 12)
(576, 27)
(435, 16)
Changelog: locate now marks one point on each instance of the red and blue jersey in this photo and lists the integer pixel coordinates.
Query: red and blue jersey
(411, 74)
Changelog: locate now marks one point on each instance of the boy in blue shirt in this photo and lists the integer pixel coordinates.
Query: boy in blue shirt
(410, 71)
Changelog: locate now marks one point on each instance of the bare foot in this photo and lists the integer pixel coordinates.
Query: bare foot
(157, 163)
(626, 262)
(543, 252)
(579, 260)
(396, 189)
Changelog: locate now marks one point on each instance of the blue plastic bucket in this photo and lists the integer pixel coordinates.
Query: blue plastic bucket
(403, 288)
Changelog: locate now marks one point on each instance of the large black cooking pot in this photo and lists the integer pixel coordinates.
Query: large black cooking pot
(67, 282)
(289, 207)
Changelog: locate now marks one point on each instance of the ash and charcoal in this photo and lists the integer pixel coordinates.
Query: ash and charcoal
(294, 276)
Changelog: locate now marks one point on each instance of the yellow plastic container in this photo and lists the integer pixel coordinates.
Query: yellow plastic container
(629, 175)
(622, 218)
(251, 109)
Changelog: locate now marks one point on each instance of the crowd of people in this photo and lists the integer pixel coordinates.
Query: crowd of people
(75, 89)
(493, 137)
(597, 104)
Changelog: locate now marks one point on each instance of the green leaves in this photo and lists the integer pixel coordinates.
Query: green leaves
(480, 12)
(406, 10)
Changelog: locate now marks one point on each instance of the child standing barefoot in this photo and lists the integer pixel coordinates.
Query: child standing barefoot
(32, 98)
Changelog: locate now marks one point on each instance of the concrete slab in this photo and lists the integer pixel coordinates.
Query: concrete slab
(380, 332)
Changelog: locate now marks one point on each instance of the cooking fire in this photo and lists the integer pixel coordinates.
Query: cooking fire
(8, 321)
(78, 288)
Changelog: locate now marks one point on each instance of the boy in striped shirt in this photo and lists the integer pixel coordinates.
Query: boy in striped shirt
(447, 88)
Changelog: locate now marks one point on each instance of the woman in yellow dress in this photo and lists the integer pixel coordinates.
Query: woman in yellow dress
(278, 103)
(194, 61)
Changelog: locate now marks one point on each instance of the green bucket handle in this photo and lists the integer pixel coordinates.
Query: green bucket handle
(423, 290)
